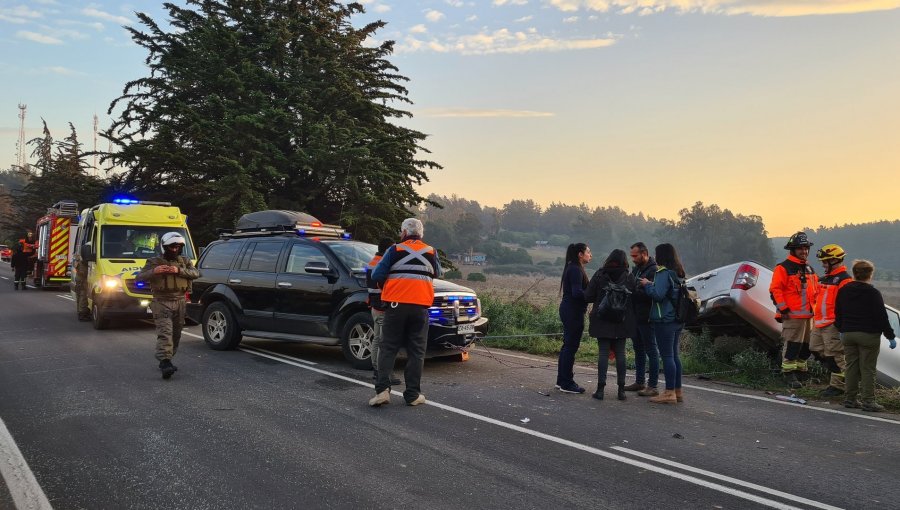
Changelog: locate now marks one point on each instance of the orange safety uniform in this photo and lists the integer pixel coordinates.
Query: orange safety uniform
(794, 287)
(411, 274)
(26, 246)
(829, 285)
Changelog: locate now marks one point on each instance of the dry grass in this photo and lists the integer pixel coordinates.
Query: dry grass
(537, 290)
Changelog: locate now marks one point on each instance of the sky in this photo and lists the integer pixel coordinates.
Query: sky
(789, 110)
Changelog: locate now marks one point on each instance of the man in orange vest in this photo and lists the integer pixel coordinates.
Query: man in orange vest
(793, 290)
(825, 342)
(377, 306)
(405, 273)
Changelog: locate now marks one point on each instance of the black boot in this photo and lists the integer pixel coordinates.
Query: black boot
(621, 395)
(167, 368)
(599, 393)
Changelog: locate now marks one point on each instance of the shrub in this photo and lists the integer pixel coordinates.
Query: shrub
(755, 368)
(454, 274)
(476, 277)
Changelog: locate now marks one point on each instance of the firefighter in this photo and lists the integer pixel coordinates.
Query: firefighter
(27, 246)
(406, 273)
(170, 278)
(377, 305)
(825, 342)
(793, 290)
(19, 263)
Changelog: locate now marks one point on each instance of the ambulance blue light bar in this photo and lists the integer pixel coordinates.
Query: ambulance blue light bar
(126, 201)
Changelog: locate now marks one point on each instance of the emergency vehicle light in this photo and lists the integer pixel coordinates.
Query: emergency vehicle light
(125, 201)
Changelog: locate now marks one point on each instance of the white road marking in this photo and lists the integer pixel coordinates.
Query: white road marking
(578, 446)
(734, 394)
(191, 334)
(65, 296)
(724, 478)
(24, 488)
(253, 347)
(5, 278)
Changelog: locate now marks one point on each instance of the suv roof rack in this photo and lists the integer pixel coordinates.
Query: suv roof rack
(281, 222)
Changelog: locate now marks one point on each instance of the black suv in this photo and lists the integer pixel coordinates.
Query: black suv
(283, 275)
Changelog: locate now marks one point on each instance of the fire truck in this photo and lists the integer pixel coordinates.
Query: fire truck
(54, 245)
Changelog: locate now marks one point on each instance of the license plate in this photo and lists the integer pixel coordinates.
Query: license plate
(465, 329)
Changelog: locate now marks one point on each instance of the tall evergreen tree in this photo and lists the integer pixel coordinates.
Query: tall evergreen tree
(269, 103)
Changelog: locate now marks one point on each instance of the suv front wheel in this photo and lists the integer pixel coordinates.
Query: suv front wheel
(356, 340)
(220, 329)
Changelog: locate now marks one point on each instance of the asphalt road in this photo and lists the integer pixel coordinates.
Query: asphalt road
(287, 426)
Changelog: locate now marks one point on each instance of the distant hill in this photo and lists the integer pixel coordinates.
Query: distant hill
(878, 241)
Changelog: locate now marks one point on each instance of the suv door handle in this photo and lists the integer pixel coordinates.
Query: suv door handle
(284, 284)
(234, 280)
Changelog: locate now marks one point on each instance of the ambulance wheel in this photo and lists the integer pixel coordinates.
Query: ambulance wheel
(220, 329)
(98, 318)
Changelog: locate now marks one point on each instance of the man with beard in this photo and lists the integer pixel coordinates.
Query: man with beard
(170, 278)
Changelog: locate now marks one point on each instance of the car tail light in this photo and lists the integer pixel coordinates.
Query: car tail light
(746, 277)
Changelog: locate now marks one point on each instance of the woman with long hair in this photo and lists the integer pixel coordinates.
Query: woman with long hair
(663, 290)
(571, 312)
(612, 316)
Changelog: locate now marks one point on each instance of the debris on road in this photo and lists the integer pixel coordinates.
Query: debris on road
(525, 420)
(677, 436)
(792, 398)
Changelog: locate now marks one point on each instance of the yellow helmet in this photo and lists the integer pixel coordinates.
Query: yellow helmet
(830, 252)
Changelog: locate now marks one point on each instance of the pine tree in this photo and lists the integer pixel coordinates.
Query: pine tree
(262, 103)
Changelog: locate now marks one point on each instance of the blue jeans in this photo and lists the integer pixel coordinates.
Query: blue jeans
(644, 343)
(572, 317)
(667, 337)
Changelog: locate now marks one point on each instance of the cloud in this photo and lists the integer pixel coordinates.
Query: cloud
(97, 13)
(502, 41)
(36, 37)
(727, 7)
(418, 29)
(455, 3)
(96, 25)
(471, 18)
(482, 113)
(570, 19)
(19, 15)
(380, 8)
(64, 71)
(510, 2)
(433, 16)
(523, 19)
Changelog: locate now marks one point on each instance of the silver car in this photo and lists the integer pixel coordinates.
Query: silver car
(735, 300)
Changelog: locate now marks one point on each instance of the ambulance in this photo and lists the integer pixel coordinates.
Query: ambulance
(115, 240)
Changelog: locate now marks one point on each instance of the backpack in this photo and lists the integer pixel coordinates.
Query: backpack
(687, 303)
(614, 303)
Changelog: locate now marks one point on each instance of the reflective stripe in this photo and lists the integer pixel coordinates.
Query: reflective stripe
(425, 264)
(780, 305)
(374, 291)
(413, 267)
(407, 276)
(824, 305)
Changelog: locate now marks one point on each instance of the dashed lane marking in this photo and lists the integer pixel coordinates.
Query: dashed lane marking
(589, 449)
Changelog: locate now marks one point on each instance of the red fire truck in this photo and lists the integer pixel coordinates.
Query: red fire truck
(54, 243)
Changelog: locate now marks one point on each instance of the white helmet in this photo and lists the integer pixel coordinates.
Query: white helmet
(172, 238)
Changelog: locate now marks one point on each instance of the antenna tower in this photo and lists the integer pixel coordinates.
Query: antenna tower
(20, 149)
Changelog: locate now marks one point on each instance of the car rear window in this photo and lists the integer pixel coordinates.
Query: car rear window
(220, 256)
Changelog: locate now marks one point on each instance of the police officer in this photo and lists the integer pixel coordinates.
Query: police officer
(793, 290)
(406, 273)
(81, 288)
(169, 277)
(825, 342)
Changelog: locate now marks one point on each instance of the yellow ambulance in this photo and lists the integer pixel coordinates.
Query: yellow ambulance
(114, 241)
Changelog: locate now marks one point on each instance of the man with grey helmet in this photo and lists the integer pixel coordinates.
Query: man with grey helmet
(170, 278)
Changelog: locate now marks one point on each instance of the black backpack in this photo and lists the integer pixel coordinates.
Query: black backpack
(687, 304)
(614, 303)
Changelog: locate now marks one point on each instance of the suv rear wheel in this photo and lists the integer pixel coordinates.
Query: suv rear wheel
(356, 340)
(220, 330)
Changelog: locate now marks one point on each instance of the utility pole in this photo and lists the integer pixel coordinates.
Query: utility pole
(95, 171)
(20, 149)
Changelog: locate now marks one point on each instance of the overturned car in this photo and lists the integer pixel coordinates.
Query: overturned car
(734, 299)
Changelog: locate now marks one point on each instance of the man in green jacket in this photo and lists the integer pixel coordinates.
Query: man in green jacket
(170, 278)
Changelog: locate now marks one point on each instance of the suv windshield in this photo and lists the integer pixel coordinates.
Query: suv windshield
(137, 242)
(354, 254)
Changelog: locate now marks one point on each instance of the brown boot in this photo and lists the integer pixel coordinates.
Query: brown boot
(678, 396)
(634, 387)
(666, 397)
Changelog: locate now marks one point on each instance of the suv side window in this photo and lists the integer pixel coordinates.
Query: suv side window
(301, 254)
(220, 256)
(261, 257)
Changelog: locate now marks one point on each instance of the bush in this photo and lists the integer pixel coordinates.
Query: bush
(544, 263)
(454, 274)
(755, 368)
(476, 277)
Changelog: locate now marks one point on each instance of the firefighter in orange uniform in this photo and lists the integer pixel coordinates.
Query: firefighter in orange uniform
(793, 290)
(27, 246)
(406, 273)
(825, 341)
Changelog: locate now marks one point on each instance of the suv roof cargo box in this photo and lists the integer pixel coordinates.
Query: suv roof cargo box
(272, 220)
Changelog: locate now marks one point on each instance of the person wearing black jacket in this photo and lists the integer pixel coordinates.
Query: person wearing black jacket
(610, 331)
(20, 263)
(571, 312)
(642, 338)
(860, 316)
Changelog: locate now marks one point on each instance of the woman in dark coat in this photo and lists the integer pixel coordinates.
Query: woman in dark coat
(571, 313)
(611, 328)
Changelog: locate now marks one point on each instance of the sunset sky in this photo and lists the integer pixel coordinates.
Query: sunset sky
(785, 109)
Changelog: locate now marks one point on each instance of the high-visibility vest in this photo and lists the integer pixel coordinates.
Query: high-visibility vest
(374, 290)
(829, 285)
(410, 277)
(794, 286)
(26, 246)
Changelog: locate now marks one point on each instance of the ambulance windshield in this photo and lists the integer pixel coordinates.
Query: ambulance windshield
(132, 242)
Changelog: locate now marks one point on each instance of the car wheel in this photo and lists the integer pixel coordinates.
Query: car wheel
(220, 329)
(98, 318)
(356, 340)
